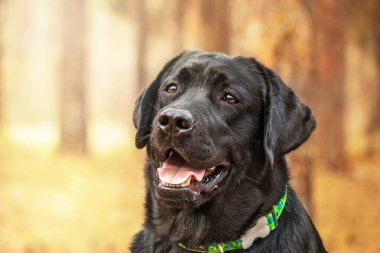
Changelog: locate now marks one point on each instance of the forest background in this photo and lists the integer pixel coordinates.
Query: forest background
(70, 177)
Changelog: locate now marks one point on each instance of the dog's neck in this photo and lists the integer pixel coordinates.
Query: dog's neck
(216, 221)
(260, 229)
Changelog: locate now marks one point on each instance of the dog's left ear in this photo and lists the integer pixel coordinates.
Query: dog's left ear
(288, 122)
(144, 112)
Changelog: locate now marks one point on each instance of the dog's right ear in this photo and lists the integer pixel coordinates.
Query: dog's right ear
(144, 111)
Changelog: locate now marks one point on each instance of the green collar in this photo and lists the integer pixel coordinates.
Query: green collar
(261, 229)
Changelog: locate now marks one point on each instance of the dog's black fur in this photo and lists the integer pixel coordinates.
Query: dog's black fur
(249, 136)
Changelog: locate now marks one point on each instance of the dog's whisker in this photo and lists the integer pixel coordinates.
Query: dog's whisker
(155, 107)
(253, 180)
(143, 137)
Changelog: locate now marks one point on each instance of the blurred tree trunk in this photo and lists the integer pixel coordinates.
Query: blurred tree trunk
(179, 24)
(1, 65)
(375, 13)
(73, 100)
(364, 30)
(141, 21)
(327, 92)
(215, 15)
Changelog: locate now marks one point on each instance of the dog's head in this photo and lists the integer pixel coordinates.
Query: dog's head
(210, 121)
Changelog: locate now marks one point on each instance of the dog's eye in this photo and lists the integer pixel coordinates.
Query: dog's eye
(228, 98)
(171, 88)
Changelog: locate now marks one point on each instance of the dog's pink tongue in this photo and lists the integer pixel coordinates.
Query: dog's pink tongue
(176, 170)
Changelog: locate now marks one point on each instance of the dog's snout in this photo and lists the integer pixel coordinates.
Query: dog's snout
(176, 121)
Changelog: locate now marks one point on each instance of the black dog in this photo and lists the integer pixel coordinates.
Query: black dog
(217, 129)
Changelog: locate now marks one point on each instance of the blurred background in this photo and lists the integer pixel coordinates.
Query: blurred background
(70, 177)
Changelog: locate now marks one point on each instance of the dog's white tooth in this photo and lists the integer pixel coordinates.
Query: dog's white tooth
(186, 183)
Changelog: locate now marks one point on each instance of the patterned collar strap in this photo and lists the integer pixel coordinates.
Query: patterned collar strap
(262, 229)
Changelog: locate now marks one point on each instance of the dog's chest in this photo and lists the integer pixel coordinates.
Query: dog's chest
(182, 226)
(189, 228)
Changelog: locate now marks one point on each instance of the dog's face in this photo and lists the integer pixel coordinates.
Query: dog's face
(210, 121)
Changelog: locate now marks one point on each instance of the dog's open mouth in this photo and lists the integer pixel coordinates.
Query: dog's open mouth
(177, 173)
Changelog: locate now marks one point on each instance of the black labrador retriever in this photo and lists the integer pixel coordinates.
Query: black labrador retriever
(217, 129)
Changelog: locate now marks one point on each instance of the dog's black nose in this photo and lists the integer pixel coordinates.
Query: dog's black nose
(175, 120)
